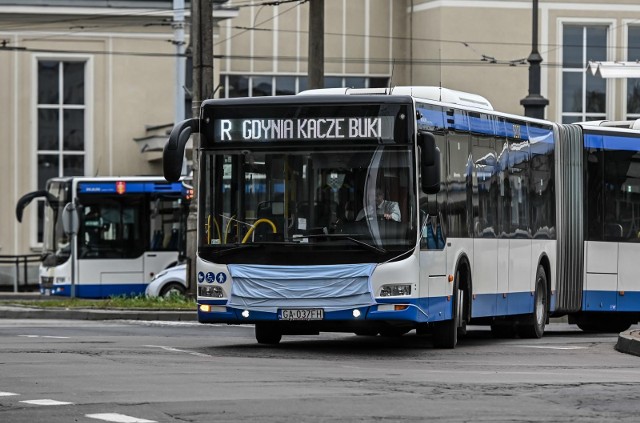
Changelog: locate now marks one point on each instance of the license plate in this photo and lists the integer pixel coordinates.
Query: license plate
(302, 314)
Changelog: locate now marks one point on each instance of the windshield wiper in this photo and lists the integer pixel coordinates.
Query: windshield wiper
(349, 237)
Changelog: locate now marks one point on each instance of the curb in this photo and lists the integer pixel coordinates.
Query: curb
(629, 342)
(15, 312)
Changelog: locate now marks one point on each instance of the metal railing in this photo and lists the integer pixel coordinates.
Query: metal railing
(21, 261)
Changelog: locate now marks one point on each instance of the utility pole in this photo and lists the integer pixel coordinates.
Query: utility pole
(178, 31)
(534, 103)
(315, 61)
(202, 43)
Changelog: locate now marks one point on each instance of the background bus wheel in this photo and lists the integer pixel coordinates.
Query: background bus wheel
(267, 334)
(172, 289)
(533, 327)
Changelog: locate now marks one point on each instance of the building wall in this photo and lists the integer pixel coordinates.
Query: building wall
(469, 45)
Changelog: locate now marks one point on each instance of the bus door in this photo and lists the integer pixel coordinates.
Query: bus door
(166, 234)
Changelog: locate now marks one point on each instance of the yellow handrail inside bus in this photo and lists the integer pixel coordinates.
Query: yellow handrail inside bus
(259, 221)
(209, 229)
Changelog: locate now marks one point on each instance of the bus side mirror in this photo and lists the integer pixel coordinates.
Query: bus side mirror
(24, 201)
(173, 152)
(429, 163)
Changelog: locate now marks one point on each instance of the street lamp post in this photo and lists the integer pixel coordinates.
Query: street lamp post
(534, 103)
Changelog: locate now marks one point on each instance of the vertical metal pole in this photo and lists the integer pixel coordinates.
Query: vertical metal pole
(534, 104)
(202, 42)
(178, 31)
(315, 61)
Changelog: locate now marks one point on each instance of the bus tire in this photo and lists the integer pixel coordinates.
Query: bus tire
(173, 288)
(268, 334)
(445, 334)
(533, 326)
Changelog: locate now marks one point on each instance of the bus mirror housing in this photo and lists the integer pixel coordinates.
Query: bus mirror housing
(429, 163)
(24, 201)
(173, 152)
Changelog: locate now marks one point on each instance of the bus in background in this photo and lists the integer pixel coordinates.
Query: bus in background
(130, 228)
(489, 216)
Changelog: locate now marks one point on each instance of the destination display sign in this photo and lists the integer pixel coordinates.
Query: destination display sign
(380, 128)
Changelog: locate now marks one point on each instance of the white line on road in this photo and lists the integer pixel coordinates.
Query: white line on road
(46, 402)
(118, 418)
(548, 347)
(7, 394)
(44, 336)
(197, 354)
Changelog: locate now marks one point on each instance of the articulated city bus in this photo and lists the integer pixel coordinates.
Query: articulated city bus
(383, 211)
(130, 228)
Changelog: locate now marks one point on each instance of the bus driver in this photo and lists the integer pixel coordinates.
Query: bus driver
(388, 210)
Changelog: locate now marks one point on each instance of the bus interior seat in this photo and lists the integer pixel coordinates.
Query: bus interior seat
(274, 211)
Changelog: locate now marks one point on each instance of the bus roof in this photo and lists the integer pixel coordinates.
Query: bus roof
(440, 94)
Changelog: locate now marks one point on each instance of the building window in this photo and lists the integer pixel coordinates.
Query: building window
(583, 94)
(262, 85)
(60, 123)
(633, 84)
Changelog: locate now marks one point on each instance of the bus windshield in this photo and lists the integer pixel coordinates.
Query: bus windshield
(322, 201)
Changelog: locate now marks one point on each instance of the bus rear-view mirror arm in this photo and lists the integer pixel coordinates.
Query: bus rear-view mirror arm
(173, 153)
(24, 201)
(429, 163)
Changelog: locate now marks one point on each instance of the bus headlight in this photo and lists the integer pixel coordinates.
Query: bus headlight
(210, 291)
(395, 290)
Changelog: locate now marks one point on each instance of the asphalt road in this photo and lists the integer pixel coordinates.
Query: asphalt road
(142, 371)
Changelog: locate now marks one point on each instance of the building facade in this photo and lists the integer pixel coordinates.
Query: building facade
(87, 87)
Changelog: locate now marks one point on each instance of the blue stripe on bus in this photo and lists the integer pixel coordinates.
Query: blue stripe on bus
(420, 310)
(486, 305)
(611, 301)
(98, 290)
(612, 142)
(130, 187)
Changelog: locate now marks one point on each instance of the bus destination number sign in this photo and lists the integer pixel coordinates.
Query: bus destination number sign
(269, 130)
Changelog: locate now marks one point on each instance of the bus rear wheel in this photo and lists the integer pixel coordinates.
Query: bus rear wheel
(268, 334)
(533, 326)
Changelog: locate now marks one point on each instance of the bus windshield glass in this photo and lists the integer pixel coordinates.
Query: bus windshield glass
(309, 205)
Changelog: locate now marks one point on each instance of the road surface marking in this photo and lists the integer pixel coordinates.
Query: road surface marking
(44, 336)
(46, 402)
(118, 418)
(550, 347)
(7, 394)
(197, 354)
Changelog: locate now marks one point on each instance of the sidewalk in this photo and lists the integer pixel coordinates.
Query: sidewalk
(29, 312)
(629, 342)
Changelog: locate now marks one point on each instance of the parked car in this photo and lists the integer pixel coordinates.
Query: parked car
(169, 281)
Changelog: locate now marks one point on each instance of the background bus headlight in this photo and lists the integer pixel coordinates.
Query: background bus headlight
(210, 291)
(395, 290)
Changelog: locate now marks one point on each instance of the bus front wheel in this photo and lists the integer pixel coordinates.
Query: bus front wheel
(267, 333)
(445, 334)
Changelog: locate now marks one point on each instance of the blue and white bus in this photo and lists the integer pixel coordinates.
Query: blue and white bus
(130, 228)
(504, 220)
